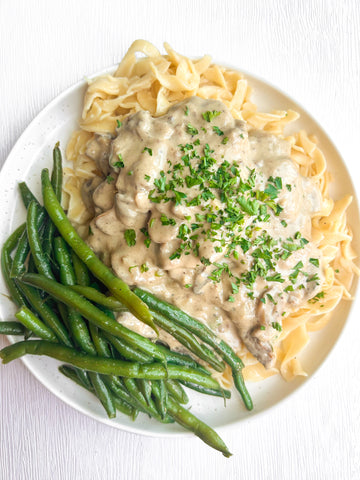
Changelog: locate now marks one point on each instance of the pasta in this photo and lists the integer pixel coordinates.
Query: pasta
(147, 80)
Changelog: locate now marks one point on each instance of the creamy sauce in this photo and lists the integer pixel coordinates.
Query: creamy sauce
(239, 259)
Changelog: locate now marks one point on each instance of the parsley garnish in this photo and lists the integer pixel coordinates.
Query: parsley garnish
(160, 183)
(167, 221)
(147, 149)
(191, 129)
(120, 163)
(317, 297)
(147, 240)
(314, 261)
(209, 116)
(109, 179)
(218, 131)
(118, 124)
(130, 237)
(275, 278)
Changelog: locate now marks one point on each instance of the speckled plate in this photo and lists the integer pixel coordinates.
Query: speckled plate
(33, 151)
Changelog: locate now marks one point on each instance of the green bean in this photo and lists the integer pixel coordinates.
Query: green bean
(103, 394)
(117, 287)
(145, 388)
(47, 314)
(147, 406)
(205, 334)
(12, 241)
(125, 408)
(93, 314)
(76, 323)
(56, 182)
(103, 350)
(63, 311)
(40, 259)
(81, 270)
(176, 390)
(57, 172)
(18, 265)
(107, 366)
(120, 391)
(182, 416)
(80, 332)
(33, 323)
(22, 251)
(15, 291)
(63, 258)
(188, 340)
(134, 390)
(101, 345)
(160, 395)
(11, 328)
(95, 296)
(126, 351)
(81, 375)
(134, 400)
(181, 359)
(72, 374)
(6, 265)
(26, 194)
(208, 391)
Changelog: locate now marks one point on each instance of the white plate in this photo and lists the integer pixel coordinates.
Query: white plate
(33, 151)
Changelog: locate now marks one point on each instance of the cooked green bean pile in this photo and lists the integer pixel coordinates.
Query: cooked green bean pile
(66, 298)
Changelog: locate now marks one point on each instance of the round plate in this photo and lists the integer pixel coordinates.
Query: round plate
(33, 151)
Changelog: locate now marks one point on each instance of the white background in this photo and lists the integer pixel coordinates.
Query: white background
(311, 50)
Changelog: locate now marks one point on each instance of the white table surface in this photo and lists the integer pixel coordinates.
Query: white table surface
(310, 49)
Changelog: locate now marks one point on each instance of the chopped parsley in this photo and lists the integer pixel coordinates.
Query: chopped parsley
(118, 124)
(147, 240)
(147, 149)
(209, 116)
(276, 326)
(314, 261)
(120, 162)
(186, 111)
(218, 131)
(191, 129)
(109, 179)
(317, 297)
(167, 221)
(130, 237)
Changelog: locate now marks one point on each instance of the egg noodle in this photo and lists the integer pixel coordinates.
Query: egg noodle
(147, 80)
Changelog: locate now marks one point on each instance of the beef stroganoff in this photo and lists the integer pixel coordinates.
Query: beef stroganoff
(185, 189)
